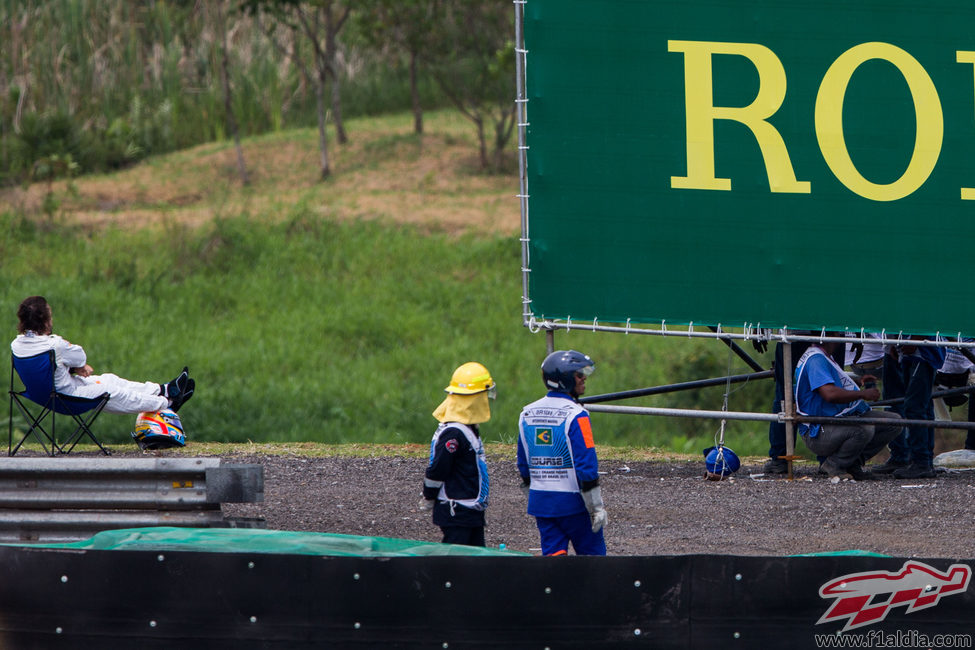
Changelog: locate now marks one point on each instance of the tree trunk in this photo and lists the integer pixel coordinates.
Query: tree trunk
(499, 142)
(415, 96)
(331, 56)
(322, 135)
(503, 129)
(337, 111)
(482, 142)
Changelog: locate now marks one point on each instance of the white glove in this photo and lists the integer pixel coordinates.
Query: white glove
(425, 504)
(594, 504)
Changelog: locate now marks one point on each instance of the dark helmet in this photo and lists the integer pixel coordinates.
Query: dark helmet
(559, 369)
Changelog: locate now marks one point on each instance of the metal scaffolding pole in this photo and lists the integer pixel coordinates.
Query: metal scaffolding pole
(934, 424)
(686, 413)
(673, 388)
(768, 417)
(789, 406)
(744, 356)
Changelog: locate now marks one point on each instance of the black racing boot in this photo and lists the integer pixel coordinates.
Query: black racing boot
(184, 397)
(174, 390)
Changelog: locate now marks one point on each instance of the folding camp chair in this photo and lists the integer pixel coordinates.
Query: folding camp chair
(37, 374)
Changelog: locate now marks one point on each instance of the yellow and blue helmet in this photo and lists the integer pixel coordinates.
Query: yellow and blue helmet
(159, 430)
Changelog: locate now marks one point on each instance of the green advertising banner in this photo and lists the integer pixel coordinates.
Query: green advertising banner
(749, 162)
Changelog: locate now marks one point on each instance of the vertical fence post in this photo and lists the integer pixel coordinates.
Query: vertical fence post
(788, 404)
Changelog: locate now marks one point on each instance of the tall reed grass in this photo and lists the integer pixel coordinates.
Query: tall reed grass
(126, 80)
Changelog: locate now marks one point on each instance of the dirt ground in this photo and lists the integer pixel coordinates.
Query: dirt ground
(655, 508)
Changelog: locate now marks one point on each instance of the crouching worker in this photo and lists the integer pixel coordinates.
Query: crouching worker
(455, 485)
(557, 460)
(73, 375)
(823, 389)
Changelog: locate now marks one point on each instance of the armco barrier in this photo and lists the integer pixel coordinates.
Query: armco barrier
(66, 499)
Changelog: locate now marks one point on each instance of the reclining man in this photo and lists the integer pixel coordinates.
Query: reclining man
(823, 389)
(73, 375)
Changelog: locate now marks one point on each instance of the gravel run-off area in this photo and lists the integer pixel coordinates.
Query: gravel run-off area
(655, 508)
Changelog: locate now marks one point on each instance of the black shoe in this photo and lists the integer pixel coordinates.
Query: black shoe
(889, 467)
(915, 470)
(176, 387)
(860, 474)
(185, 396)
(833, 471)
(776, 466)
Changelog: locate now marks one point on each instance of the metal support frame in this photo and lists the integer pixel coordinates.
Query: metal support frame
(521, 106)
(769, 417)
(687, 413)
(745, 332)
(788, 416)
(673, 388)
(789, 406)
(744, 356)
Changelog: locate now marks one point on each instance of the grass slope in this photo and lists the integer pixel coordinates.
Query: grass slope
(330, 312)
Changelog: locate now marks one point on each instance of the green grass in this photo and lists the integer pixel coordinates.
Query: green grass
(302, 324)
(312, 330)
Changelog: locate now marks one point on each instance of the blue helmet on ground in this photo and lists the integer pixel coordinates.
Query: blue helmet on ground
(720, 462)
(559, 369)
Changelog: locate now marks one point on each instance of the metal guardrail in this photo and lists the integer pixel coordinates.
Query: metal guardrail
(67, 499)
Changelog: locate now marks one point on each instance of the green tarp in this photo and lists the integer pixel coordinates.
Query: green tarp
(245, 540)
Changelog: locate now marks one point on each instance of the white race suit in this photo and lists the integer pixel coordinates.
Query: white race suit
(125, 396)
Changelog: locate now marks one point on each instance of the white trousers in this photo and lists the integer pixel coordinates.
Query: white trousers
(126, 396)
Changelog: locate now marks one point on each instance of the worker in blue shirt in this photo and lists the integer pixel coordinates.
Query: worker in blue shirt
(557, 460)
(823, 389)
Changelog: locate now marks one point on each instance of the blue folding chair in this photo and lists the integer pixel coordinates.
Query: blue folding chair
(37, 374)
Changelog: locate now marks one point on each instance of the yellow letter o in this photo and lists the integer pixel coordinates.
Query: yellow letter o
(927, 111)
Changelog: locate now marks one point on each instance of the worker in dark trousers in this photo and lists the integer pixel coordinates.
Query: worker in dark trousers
(909, 372)
(455, 485)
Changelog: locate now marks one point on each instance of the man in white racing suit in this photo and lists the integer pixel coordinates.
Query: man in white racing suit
(73, 375)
